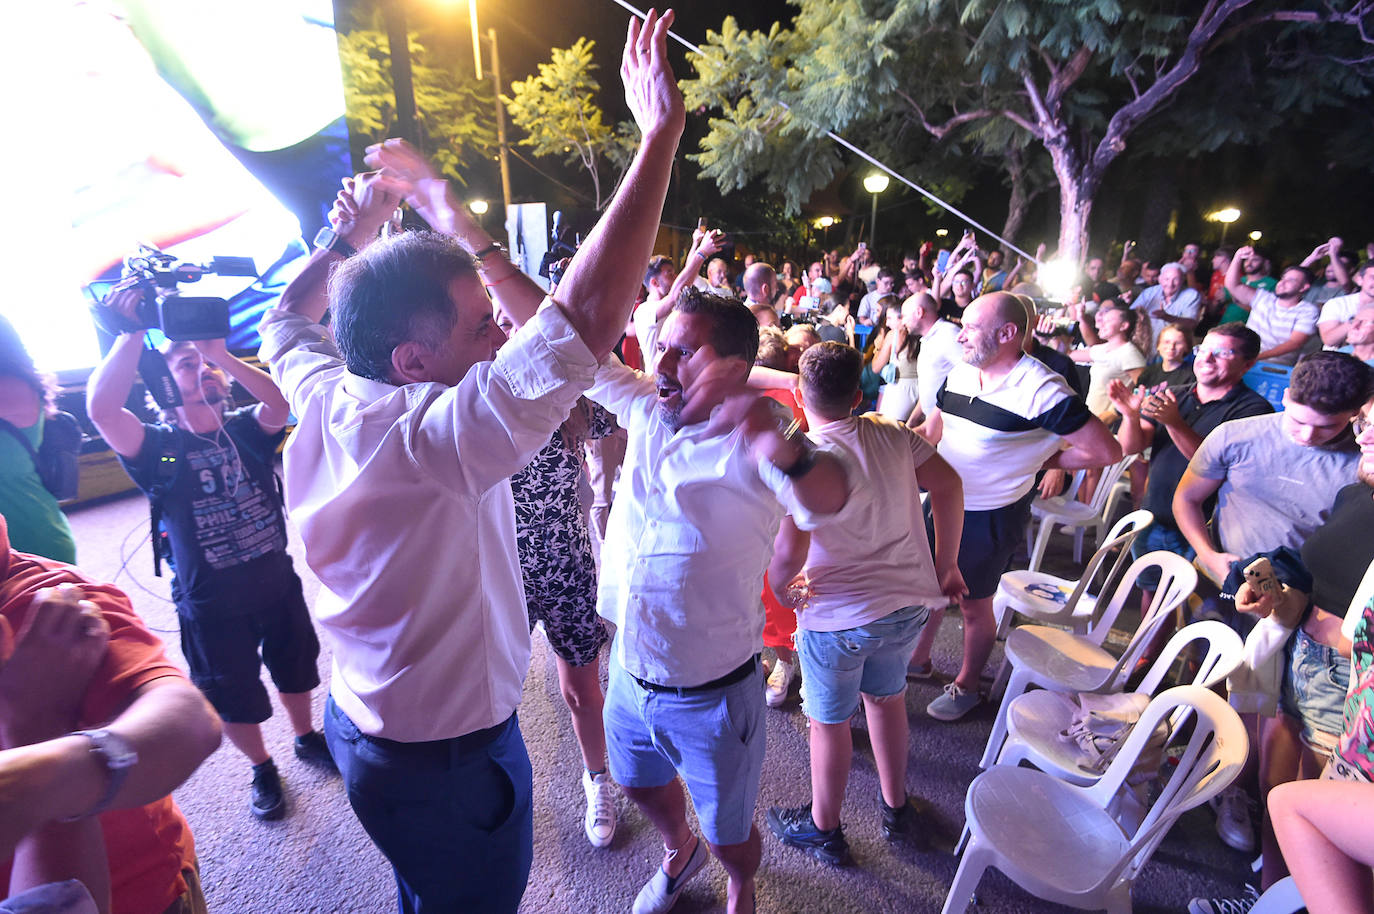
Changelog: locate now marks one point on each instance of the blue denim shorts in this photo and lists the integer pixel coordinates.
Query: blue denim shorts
(713, 739)
(1315, 680)
(1159, 537)
(870, 659)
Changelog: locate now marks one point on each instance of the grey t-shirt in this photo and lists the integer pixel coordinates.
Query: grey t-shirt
(1274, 492)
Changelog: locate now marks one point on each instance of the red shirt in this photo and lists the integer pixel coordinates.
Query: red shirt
(148, 847)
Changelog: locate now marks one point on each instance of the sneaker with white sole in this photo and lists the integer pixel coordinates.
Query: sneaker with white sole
(599, 823)
(779, 683)
(1241, 905)
(954, 703)
(1234, 825)
(660, 893)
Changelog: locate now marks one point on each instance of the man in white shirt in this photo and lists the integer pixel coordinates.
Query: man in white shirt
(708, 476)
(1284, 322)
(397, 478)
(1001, 416)
(870, 306)
(869, 585)
(940, 350)
(1336, 314)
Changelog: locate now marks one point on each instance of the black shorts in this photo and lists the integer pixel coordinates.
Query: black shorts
(222, 652)
(989, 541)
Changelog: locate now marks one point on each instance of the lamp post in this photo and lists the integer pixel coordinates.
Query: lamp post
(1225, 217)
(875, 184)
(824, 223)
(1256, 235)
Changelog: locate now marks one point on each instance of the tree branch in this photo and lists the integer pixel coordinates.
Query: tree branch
(1130, 115)
(940, 130)
(1065, 77)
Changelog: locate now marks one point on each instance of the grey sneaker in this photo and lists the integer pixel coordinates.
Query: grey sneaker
(1234, 825)
(660, 893)
(779, 683)
(953, 704)
(795, 828)
(1241, 905)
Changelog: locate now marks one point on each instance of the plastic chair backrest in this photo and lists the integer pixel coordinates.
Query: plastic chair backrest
(1104, 485)
(1224, 650)
(1122, 535)
(1212, 758)
(1177, 580)
(1175, 574)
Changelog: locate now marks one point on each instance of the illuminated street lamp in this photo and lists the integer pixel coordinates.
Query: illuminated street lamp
(479, 207)
(1225, 217)
(875, 184)
(941, 233)
(1256, 235)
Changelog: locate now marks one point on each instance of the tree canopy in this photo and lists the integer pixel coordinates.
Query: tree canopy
(557, 109)
(1015, 81)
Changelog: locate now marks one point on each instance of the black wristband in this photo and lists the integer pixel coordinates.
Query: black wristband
(493, 248)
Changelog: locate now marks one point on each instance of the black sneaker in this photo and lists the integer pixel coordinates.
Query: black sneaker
(312, 749)
(905, 823)
(268, 800)
(796, 828)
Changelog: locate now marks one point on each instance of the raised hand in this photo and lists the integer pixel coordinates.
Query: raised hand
(1245, 253)
(1126, 399)
(650, 89)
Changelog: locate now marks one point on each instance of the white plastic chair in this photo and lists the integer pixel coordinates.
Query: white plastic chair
(1068, 512)
(1052, 658)
(1035, 718)
(1052, 600)
(1060, 842)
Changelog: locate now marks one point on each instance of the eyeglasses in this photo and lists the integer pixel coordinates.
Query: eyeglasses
(1361, 425)
(1217, 353)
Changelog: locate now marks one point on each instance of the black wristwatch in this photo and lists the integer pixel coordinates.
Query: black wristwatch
(330, 240)
(118, 757)
(793, 434)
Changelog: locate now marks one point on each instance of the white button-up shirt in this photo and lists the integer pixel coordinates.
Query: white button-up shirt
(402, 498)
(690, 536)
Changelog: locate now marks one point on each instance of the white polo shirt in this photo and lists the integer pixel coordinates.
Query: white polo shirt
(998, 438)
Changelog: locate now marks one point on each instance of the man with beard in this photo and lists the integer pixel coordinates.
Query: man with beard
(709, 475)
(1284, 321)
(1000, 417)
(210, 474)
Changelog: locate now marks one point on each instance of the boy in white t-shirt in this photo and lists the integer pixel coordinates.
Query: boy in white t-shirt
(868, 587)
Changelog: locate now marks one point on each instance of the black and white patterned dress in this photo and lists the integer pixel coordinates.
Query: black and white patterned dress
(555, 545)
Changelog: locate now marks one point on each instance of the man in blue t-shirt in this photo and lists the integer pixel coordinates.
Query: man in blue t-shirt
(210, 473)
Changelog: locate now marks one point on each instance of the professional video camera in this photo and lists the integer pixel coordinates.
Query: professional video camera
(162, 306)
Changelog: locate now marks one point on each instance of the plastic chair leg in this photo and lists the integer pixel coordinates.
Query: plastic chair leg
(1016, 684)
(966, 879)
(1002, 612)
(1078, 545)
(1042, 540)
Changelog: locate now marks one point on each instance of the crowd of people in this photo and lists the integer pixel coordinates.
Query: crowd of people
(689, 467)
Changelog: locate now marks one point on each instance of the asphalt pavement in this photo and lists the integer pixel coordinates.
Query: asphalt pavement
(318, 859)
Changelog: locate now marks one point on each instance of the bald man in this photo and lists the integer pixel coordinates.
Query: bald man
(1000, 417)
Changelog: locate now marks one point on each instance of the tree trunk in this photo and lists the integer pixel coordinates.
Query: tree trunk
(1075, 204)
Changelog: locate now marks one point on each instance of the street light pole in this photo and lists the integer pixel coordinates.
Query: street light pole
(875, 184)
(500, 120)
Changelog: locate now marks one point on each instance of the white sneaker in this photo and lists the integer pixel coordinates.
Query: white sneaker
(599, 822)
(1234, 826)
(779, 683)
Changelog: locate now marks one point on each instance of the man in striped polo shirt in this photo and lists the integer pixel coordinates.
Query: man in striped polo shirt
(1000, 418)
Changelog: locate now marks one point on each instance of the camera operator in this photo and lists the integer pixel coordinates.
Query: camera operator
(210, 474)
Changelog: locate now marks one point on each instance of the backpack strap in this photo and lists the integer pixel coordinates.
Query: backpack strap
(19, 436)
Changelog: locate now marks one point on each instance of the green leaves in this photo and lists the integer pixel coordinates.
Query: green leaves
(556, 107)
(456, 114)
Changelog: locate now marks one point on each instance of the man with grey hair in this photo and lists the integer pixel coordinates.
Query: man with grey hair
(1169, 302)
